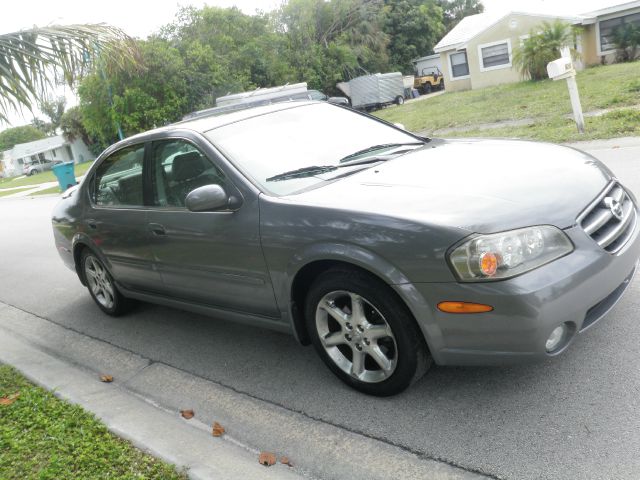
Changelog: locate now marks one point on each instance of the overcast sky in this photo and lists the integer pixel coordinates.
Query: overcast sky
(139, 18)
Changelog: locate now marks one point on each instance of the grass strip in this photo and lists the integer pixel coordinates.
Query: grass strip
(43, 437)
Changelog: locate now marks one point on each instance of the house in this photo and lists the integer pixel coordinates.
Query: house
(598, 27)
(48, 149)
(478, 52)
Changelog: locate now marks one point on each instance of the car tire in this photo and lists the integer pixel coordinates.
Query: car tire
(33, 172)
(101, 286)
(376, 348)
(399, 100)
(426, 88)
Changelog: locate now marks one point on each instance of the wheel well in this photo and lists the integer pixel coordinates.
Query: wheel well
(77, 260)
(300, 287)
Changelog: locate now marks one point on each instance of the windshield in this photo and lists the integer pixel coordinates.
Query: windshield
(308, 135)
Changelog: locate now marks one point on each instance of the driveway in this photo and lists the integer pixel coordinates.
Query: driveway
(573, 417)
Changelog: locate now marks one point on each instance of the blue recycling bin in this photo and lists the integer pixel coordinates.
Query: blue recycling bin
(65, 175)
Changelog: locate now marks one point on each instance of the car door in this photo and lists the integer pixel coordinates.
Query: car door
(212, 258)
(116, 220)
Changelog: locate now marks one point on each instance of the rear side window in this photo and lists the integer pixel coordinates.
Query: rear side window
(118, 180)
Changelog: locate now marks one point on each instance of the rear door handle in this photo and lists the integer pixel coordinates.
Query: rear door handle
(157, 229)
(92, 224)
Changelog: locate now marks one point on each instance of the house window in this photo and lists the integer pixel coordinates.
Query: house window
(608, 27)
(459, 64)
(495, 55)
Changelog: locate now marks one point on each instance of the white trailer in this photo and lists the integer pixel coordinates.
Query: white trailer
(261, 95)
(370, 92)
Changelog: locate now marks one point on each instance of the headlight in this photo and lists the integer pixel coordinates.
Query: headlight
(507, 254)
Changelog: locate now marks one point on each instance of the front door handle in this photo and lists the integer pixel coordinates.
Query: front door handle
(157, 229)
(93, 225)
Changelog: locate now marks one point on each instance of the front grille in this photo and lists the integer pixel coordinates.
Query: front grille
(611, 219)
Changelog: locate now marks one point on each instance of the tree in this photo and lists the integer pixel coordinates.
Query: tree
(542, 47)
(31, 59)
(626, 39)
(456, 10)
(152, 95)
(17, 135)
(413, 27)
(53, 110)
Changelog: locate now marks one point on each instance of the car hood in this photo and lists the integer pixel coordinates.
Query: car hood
(476, 185)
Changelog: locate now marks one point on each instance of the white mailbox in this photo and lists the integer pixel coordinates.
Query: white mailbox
(561, 68)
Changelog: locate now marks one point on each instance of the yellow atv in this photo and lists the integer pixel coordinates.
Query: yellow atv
(431, 79)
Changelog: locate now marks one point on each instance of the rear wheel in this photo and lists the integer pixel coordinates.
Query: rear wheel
(426, 88)
(364, 333)
(102, 287)
(399, 100)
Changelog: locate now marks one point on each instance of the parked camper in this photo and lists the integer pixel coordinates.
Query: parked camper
(370, 92)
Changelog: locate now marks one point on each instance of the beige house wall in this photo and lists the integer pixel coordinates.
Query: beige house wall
(511, 28)
(452, 85)
(589, 45)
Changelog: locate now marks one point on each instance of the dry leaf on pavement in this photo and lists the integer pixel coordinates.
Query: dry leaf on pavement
(267, 459)
(188, 414)
(285, 461)
(9, 399)
(106, 378)
(218, 429)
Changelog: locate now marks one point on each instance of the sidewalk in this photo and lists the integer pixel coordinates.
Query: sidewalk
(143, 402)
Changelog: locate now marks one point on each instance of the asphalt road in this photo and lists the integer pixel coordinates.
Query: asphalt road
(573, 417)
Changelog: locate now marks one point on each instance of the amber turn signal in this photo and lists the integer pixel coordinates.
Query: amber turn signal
(463, 307)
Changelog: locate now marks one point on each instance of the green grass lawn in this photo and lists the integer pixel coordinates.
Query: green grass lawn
(48, 176)
(546, 102)
(42, 437)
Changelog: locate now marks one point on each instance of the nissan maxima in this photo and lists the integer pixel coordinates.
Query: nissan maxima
(385, 250)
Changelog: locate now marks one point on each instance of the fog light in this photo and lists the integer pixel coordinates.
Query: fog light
(556, 338)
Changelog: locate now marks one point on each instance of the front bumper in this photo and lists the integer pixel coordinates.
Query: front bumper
(579, 289)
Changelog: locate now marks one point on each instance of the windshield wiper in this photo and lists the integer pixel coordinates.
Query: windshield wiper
(378, 147)
(317, 170)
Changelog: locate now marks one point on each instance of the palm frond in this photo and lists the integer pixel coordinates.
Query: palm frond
(31, 59)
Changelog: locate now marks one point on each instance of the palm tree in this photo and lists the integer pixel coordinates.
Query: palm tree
(31, 60)
(542, 47)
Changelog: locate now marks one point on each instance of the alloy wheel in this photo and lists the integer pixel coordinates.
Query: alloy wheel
(100, 282)
(356, 336)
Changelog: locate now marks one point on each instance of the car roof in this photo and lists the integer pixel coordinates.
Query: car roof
(203, 124)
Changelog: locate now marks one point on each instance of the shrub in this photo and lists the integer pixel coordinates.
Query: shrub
(542, 47)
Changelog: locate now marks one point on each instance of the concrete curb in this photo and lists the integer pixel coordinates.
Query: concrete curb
(148, 427)
(143, 401)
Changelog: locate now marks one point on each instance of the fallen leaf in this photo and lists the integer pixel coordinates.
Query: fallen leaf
(188, 414)
(285, 461)
(218, 429)
(9, 399)
(106, 378)
(267, 459)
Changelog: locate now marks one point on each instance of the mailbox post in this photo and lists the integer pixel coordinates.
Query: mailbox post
(563, 69)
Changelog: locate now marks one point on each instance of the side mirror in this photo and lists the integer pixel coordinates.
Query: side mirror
(339, 101)
(207, 198)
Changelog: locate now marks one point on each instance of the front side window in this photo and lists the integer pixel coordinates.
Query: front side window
(178, 169)
(459, 64)
(118, 180)
(495, 55)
